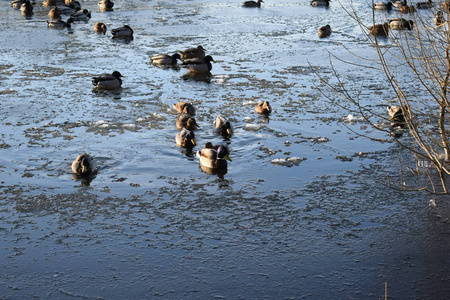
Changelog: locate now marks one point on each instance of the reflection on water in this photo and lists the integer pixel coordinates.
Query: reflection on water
(301, 212)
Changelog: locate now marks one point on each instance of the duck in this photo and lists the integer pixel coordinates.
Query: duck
(325, 3)
(383, 6)
(59, 23)
(190, 53)
(184, 108)
(84, 165)
(406, 9)
(165, 59)
(81, 15)
(401, 24)
(263, 107)
(223, 126)
(122, 32)
(379, 29)
(198, 65)
(396, 115)
(54, 13)
(17, 3)
(324, 31)
(439, 18)
(108, 81)
(252, 3)
(100, 27)
(26, 8)
(214, 157)
(424, 5)
(186, 121)
(397, 4)
(106, 5)
(185, 138)
(49, 3)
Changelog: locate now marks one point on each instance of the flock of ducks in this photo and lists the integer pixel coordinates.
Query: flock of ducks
(401, 23)
(72, 9)
(211, 157)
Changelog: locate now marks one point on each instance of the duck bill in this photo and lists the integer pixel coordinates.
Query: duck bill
(193, 142)
(228, 157)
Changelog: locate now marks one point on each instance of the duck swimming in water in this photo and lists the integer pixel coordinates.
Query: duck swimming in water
(108, 81)
(252, 3)
(214, 157)
(84, 164)
(198, 65)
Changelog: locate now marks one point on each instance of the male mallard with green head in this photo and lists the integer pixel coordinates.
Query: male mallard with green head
(185, 138)
(325, 3)
(108, 81)
(26, 8)
(106, 5)
(401, 24)
(396, 116)
(122, 32)
(198, 65)
(165, 59)
(84, 164)
(214, 157)
(223, 126)
(251, 3)
(59, 23)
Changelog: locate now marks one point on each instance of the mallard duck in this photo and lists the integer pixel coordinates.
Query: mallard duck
(324, 31)
(198, 65)
(325, 3)
(223, 126)
(17, 3)
(406, 9)
(252, 3)
(100, 27)
(439, 18)
(424, 5)
(49, 3)
(26, 8)
(401, 24)
(59, 23)
(108, 81)
(185, 108)
(396, 116)
(122, 32)
(185, 138)
(197, 52)
(186, 121)
(165, 59)
(214, 157)
(382, 6)
(106, 5)
(397, 4)
(84, 164)
(379, 29)
(54, 13)
(81, 15)
(263, 107)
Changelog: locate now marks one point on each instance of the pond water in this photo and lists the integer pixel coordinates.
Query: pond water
(302, 212)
